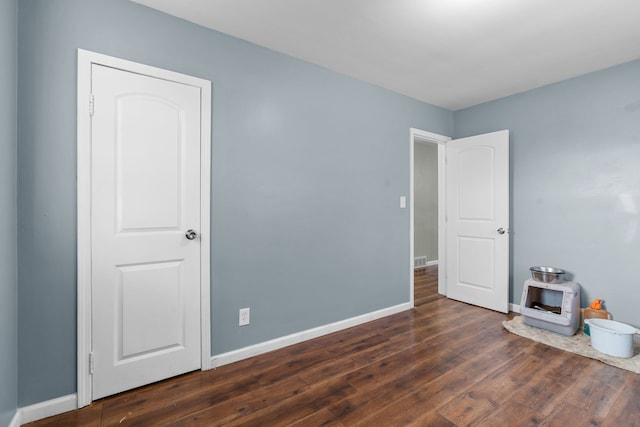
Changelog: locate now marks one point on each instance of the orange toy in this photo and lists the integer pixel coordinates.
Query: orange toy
(596, 304)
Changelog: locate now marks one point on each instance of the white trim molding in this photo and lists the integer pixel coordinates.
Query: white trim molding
(16, 421)
(48, 408)
(67, 403)
(85, 61)
(427, 264)
(298, 337)
(514, 307)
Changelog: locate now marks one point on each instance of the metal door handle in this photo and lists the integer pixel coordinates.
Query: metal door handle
(191, 234)
(501, 230)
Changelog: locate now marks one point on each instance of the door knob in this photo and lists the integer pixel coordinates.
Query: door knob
(500, 230)
(191, 234)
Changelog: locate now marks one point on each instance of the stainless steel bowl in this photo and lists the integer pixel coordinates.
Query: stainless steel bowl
(546, 274)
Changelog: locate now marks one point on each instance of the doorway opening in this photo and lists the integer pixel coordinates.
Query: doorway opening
(427, 205)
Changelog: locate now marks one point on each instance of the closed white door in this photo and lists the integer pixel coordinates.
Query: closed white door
(477, 225)
(145, 196)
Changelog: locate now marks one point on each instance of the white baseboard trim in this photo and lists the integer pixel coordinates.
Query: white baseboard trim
(16, 421)
(514, 307)
(298, 337)
(48, 408)
(52, 407)
(427, 264)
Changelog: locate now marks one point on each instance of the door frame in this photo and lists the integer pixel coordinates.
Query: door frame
(84, 105)
(425, 137)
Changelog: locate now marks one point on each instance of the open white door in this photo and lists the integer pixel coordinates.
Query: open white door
(477, 226)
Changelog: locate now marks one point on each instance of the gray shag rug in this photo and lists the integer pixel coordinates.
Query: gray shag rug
(578, 344)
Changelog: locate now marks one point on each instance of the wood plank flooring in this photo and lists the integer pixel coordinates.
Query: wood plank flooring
(443, 363)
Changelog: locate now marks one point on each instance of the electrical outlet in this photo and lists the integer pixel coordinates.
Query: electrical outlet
(244, 316)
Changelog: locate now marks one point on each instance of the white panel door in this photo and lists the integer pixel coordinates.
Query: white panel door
(477, 180)
(145, 195)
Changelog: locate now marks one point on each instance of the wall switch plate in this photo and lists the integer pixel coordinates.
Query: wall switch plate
(244, 316)
(403, 202)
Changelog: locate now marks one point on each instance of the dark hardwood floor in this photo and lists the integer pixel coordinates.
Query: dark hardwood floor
(443, 363)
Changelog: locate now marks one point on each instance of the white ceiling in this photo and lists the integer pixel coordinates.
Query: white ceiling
(450, 53)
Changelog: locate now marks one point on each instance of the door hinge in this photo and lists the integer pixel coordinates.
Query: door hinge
(91, 104)
(92, 365)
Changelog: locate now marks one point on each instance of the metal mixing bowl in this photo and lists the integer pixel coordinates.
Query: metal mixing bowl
(546, 274)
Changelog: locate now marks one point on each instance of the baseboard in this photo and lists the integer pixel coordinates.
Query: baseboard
(67, 403)
(298, 337)
(48, 408)
(16, 421)
(514, 307)
(427, 264)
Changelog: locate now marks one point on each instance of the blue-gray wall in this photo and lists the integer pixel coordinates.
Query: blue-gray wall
(8, 259)
(575, 187)
(307, 170)
(425, 200)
